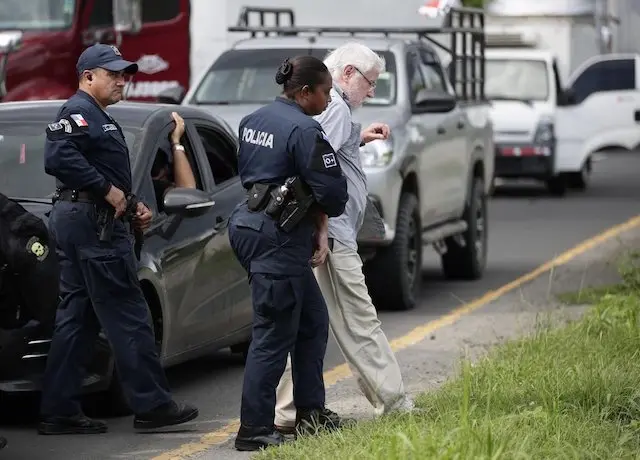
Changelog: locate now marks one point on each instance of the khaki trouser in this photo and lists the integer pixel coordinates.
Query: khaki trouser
(356, 328)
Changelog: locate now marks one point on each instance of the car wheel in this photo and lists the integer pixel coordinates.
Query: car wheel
(467, 261)
(394, 275)
(580, 180)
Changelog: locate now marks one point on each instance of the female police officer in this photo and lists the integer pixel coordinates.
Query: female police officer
(278, 142)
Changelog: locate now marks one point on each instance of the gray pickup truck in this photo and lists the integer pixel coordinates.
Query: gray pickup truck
(431, 179)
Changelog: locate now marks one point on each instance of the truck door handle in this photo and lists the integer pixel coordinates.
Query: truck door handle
(460, 124)
(636, 115)
(441, 130)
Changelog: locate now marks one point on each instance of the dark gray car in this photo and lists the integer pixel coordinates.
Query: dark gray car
(197, 292)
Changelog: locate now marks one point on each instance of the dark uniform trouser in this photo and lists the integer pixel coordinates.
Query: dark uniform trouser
(99, 287)
(290, 315)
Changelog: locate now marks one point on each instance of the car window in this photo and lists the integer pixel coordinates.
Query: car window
(161, 169)
(432, 72)
(415, 77)
(524, 79)
(248, 77)
(607, 75)
(36, 14)
(222, 157)
(152, 11)
(22, 158)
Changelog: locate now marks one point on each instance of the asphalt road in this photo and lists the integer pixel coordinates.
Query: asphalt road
(527, 228)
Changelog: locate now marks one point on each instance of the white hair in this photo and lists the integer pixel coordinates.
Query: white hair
(354, 54)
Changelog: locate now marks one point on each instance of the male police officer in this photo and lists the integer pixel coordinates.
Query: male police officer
(86, 151)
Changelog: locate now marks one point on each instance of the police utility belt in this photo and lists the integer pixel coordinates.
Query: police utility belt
(287, 204)
(105, 213)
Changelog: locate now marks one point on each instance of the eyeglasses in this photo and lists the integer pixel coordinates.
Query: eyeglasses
(372, 84)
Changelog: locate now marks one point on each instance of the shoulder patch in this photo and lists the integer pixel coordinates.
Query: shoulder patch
(79, 119)
(37, 248)
(329, 160)
(323, 158)
(66, 127)
(63, 124)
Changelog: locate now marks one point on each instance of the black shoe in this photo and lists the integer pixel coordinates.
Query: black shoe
(167, 414)
(3, 442)
(78, 424)
(312, 421)
(252, 438)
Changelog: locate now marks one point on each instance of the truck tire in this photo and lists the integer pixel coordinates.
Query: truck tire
(468, 262)
(394, 275)
(580, 180)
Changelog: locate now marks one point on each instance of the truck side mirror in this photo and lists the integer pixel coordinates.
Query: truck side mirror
(127, 15)
(433, 102)
(173, 95)
(567, 97)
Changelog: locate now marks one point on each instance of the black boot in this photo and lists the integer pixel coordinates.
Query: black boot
(311, 421)
(78, 424)
(168, 414)
(252, 438)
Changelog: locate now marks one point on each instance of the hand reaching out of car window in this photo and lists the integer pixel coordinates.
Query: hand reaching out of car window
(178, 131)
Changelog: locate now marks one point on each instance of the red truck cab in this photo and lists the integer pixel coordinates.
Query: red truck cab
(49, 35)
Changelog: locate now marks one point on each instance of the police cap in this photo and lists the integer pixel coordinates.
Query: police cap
(106, 57)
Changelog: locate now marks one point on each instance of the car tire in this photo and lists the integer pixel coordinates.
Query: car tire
(580, 180)
(468, 261)
(394, 275)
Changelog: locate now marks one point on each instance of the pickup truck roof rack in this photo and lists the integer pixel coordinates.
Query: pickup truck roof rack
(465, 26)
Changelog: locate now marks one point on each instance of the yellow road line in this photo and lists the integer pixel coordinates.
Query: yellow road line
(341, 372)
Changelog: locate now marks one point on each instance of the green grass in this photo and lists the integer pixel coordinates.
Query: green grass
(591, 295)
(562, 393)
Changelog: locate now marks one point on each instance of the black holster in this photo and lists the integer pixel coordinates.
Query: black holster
(106, 221)
(298, 200)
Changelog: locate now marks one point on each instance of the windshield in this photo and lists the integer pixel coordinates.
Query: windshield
(22, 159)
(36, 14)
(248, 77)
(516, 79)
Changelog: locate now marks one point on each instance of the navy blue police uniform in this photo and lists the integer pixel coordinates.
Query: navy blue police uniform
(279, 141)
(86, 151)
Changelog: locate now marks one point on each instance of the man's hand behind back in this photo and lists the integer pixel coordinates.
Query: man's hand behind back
(116, 198)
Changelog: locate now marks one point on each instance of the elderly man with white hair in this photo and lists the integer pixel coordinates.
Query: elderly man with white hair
(353, 317)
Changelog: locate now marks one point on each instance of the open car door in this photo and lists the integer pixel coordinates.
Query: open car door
(601, 109)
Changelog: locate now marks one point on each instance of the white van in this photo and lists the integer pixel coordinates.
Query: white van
(547, 131)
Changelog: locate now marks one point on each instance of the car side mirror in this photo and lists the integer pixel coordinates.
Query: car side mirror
(567, 97)
(187, 202)
(173, 95)
(433, 102)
